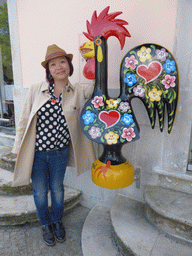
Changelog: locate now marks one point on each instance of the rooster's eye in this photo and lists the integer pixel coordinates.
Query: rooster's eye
(98, 41)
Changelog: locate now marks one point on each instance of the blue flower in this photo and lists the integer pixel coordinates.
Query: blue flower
(130, 79)
(127, 119)
(88, 117)
(169, 66)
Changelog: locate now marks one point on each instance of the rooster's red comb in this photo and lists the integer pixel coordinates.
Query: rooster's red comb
(106, 25)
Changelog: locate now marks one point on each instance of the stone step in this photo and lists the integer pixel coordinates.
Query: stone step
(7, 159)
(97, 234)
(181, 182)
(6, 178)
(21, 209)
(17, 204)
(170, 211)
(7, 138)
(136, 236)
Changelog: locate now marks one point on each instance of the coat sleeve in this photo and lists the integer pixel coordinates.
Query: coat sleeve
(24, 117)
(88, 90)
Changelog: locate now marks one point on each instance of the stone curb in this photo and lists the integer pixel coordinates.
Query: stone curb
(170, 211)
(134, 236)
(97, 234)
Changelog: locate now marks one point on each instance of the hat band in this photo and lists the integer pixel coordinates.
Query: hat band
(55, 54)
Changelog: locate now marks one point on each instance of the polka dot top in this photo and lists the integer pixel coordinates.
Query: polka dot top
(51, 130)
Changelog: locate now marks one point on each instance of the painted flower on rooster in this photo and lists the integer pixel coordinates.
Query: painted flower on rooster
(139, 91)
(112, 103)
(131, 62)
(169, 81)
(155, 95)
(95, 132)
(130, 79)
(97, 101)
(124, 106)
(144, 54)
(111, 138)
(128, 134)
(162, 54)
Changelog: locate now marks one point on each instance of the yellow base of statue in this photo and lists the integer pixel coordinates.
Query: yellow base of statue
(112, 176)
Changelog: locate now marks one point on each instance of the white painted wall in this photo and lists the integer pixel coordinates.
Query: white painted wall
(45, 22)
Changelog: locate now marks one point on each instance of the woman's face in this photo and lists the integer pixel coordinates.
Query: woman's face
(59, 69)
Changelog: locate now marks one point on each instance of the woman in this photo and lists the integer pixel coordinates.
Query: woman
(48, 129)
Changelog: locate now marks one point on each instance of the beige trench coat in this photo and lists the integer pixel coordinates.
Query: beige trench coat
(81, 150)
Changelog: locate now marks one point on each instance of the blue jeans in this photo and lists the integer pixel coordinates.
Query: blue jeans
(48, 173)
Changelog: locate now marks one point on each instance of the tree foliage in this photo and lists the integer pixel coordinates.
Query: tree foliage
(5, 42)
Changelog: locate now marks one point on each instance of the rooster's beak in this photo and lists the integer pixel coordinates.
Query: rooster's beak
(87, 49)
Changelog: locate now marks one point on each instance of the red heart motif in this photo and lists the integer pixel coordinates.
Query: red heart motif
(109, 118)
(150, 72)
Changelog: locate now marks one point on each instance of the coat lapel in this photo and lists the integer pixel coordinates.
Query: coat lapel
(40, 100)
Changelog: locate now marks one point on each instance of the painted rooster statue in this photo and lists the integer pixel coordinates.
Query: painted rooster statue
(148, 71)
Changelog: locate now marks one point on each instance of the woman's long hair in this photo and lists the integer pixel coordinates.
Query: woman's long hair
(49, 77)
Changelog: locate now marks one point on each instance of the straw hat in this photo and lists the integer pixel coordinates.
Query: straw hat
(54, 51)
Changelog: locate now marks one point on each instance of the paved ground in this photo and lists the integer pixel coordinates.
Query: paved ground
(27, 240)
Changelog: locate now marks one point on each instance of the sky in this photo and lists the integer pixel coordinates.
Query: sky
(2, 2)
